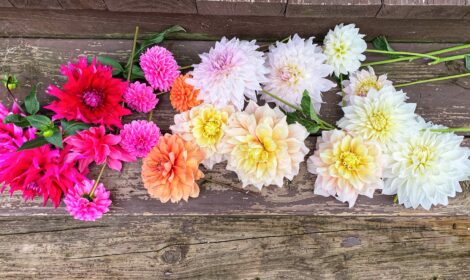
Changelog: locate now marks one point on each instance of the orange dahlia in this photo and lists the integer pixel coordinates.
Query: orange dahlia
(171, 169)
(183, 96)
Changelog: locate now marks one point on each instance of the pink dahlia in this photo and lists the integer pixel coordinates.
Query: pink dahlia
(94, 145)
(160, 68)
(85, 206)
(41, 171)
(140, 97)
(139, 137)
(12, 136)
(91, 95)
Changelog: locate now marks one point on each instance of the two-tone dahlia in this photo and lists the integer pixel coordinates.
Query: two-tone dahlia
(90, 95)
(360, 82)
(294, 67)
(230, 71)
(160, 67)
(262, 148)
(83, 205)
(183, 96)
(140, 97)
(139, 137)
(204, 125)
(425, 168)
(344, 47)
(171, 169)
(346, 166)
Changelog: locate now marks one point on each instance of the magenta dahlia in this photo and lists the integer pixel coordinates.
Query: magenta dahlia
(160, 68)
(140, 97)
(90, 95)
(83, 205)
(12, 136)
(139, 137)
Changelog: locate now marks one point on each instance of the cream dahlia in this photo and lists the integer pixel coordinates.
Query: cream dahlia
(346, 166)
(229, 72)
(381, 116)
(294, 67)
(262, 148)
(204, 125)
(344, 47)
(360, 82)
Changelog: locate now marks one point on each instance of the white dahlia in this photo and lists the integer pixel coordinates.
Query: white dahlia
(231, 70)
(360, 82)
(381, 116)
(294, 67)
(344, 48)
(425, 168)
(262, 148)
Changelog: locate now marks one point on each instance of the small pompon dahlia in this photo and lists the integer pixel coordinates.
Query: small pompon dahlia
(204, 125)
(183, 96)
(94, 145)
(171, 169)
(344, 47)
(360, 82)
(262, 148)
(425, 168)
(229, 72)
(346, 166)
(160, 67)
(294, 67)
(90, 95)
(139, 137)
(140, 97)
(381, 116)
(86, 207)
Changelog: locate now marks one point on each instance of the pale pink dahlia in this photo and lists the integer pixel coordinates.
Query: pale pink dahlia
(94, 145)
(160, 67)
(84, 206)
(139, 137)
(140, 97)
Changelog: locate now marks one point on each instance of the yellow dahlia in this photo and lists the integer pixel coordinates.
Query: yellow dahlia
(346, 166)
(262, 148)
(204, 124)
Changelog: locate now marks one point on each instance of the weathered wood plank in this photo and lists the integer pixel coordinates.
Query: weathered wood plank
(83, 4)
(242, 7)
(333, 8)
(36, 4)
(153, 6)
(424, 9)
(235, 248)
(5, 4)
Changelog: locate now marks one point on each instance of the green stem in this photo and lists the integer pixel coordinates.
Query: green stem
(150, 115)
(449, 58)
(433, 80)
(186, 67)
(131, 59)
(282, 100)
(343, 102)
(451, 129)
(404, 53)
(92, 192)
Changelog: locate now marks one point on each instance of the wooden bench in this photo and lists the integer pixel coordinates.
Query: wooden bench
(230, 232)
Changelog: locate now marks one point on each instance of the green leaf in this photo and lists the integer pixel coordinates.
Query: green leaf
(137, 73)
(117, 67)
(381, 43)
(72, 127)
(31, 102)
(306, 103)
(467, 62)
(36, 142)
(157, 39)
(17, 120)
(56, 138)
(39, 121)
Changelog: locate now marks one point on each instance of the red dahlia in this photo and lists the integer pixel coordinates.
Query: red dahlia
(90, 95)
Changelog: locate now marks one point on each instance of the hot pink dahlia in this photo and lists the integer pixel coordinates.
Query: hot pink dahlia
(41, 171)
(94, 145)
(84, 206)
(140, 97)
(12, 136)
(160, 68)
(139, 137)
(90, 94)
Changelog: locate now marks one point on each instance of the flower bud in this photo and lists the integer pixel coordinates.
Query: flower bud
(9, 81)
(48, 133)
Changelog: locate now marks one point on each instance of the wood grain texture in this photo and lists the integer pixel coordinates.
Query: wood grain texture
(242, 7)
(83, 4)
(235, 248)
(5, 4)
(333, 8)
(427, 9)
(36, 4)
(153, 6)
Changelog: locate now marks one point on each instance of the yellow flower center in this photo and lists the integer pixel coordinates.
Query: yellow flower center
(421, 156)
(364, 86)
(350, 160)
(208, 127)
(379, 121)
(340, 49)
(291, 74)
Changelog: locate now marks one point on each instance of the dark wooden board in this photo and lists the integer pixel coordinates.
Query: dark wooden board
(333, 8)
(152, 6)
(83, 4)
(242, 7)
(429, 9)
(5, 4)
(36, 4)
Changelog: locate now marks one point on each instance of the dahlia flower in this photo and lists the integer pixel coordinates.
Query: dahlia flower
(346, 166)
(90, 95)
(204, 125)
(294, 67)
(262, 148)
(160, 67)
(139, 137)
(12, 136)
(344, 47)
(380, 116)
(171, 169)
(42, 171)
(425, 168)
(360, 82)
(82, 206)
(183, 96)
(94, 145)
(229, 72)
(140, 97)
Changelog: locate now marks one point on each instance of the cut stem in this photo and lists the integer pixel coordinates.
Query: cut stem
(449, 58)
(92, 192)
(282, 100)
(451, 129)
(186, 67)
(404, 53)
(433, 80)
(150, 115)
(343, 102)
(131, 59)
